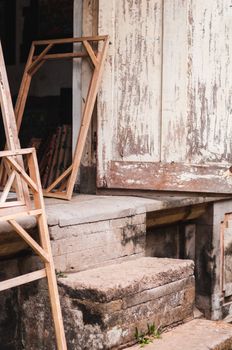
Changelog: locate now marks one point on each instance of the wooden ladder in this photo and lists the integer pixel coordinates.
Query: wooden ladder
(25, 200)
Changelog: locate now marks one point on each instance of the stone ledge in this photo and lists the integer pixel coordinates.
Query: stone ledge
(116, 281)
(194, 335)
(118, 298)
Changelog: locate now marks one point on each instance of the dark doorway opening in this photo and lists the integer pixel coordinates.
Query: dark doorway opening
(49, 103)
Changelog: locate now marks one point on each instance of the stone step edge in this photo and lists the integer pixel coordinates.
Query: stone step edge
(197, 334)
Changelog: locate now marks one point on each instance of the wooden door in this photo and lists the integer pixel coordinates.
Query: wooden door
(164, 110)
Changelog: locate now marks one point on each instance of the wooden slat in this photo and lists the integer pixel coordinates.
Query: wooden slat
(87, 114)
(12, 204)
(70, 40)
(7, 187)
(91, 53)
(18, 281)
(59, 179)
(16, 152)
(169, 177)
(39, 58)
(172, 215)
(56, 194)
(23, 91)
(23, 174)
(29, 240)
(13, 216)
(45, 243)
(58, 56)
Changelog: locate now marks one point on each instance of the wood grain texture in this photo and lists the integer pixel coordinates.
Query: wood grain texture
(129, 107)
(205, 178)
(189, 119)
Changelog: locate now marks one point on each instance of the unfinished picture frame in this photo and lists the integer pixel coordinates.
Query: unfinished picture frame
(95, 50)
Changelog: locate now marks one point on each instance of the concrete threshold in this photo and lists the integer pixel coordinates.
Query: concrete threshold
(120, 220)
(194, 335)
(93, 208)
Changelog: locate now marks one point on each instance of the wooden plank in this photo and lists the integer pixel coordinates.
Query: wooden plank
(18, 281)
(16, 152)
(22, 173)
(91, 53)
(23, 91)
(20, 214)
(38, 59)
(29, 240)
(171, 216)
(57, 194)
(13, 203)
(71, 40)
(196, 121)
(88, 110)
(59, 179)
(58, 56)
(169, 177)
(175, 81)
(129, 103)
(7, 188)
(209, 84)
(46, 245)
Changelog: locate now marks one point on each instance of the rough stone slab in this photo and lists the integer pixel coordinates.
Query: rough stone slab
(121, 280)
(194, 335)
(146, 290)
(93, 208)
(87, 208)
(118, 298)
(86, 246)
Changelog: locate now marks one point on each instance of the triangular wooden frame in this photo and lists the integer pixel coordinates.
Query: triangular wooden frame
(23, 204)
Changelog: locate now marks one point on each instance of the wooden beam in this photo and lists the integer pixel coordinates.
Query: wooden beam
(38, 59)
(57, 56)
(70, 40)
(20, 214)
(91, 53)
(16, 152)
(7, 187)
(29, 240)
(18, 281)
(22, 173)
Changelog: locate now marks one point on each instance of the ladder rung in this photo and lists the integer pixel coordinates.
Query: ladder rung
(18, 281)
(13, 216)
(12, 204)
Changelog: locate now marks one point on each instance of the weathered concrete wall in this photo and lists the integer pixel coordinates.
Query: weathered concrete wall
(85, 246)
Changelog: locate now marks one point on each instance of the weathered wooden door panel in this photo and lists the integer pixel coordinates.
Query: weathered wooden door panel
(165, 106)
(129, 108)
(197, 86)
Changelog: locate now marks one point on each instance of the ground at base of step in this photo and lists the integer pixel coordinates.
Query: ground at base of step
(198, 334)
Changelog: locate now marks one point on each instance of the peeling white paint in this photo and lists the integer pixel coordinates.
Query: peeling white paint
(167, 89)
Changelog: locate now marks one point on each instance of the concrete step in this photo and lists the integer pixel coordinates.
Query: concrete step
(194, 335)
(112, 301)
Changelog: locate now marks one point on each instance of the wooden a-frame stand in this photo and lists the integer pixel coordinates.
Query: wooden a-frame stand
(92, 48)
(27, 200)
